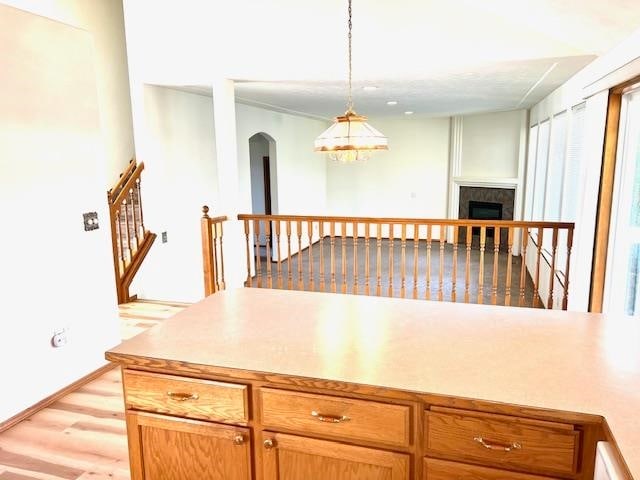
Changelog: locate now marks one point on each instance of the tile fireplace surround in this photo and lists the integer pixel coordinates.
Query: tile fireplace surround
(504, 196)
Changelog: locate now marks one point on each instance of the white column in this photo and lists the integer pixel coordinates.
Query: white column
(224, 114)
(455, 168)
(519, 196)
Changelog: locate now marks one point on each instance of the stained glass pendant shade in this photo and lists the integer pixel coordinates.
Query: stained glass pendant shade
(350, 138)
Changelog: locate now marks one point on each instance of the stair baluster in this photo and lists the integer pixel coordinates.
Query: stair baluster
(131, 241)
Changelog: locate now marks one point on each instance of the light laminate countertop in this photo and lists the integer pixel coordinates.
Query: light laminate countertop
(566, 361)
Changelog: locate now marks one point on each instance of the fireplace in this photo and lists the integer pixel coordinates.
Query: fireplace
(484, 211)
(486, 203)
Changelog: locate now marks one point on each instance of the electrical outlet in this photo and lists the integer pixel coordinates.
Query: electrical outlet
(90, 221)
(59, 338)
(164, 237)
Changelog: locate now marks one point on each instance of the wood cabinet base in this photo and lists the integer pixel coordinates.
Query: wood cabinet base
(258, 428)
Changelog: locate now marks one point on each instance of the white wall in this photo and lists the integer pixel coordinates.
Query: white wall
(590, 84)
(616, 66)
(491, 145)
(53, 274)
(180, 177)
(300, 172)
(103, 19)
(488, 150)
(408, 180)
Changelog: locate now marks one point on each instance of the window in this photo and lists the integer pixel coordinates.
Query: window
(555, 169)
(573, 172)
(539, 182)
(554, 177)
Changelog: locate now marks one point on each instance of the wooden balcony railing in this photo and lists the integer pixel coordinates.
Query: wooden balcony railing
(471, 261)
(130, 239)
(212, 259)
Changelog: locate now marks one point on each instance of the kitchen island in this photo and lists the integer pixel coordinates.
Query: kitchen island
(269, 384)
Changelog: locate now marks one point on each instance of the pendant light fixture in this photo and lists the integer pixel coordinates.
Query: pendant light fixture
(350, 138)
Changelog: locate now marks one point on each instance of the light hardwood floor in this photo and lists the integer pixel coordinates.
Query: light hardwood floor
(82, 435)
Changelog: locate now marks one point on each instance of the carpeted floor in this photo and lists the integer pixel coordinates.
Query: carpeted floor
(424, 285)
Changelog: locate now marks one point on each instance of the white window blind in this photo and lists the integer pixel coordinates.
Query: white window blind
(531, 169)
(539, 184)
(555, 169)
(572, 175)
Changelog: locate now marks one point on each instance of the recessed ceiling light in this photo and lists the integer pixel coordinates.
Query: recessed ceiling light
(408, 112)
(370, 88)
(392, 102)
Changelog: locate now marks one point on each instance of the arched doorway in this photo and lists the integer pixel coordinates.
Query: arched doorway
(262, 149)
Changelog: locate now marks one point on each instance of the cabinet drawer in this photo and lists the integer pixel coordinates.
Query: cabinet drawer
(345, 418)
(500, 440)
(434, 469)
(186, 397)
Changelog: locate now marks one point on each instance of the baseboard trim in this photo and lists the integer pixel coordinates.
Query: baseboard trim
(45, 402)
(170, 303)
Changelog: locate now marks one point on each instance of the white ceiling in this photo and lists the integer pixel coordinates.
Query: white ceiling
(434, 57)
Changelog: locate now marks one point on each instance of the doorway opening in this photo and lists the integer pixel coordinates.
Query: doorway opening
(263, 183)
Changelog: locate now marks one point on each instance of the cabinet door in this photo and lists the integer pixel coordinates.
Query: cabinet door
(289, 457)
(167, 448)
(434, 469)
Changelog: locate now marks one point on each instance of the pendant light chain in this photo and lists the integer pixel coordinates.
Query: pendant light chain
(350, 138)
(350, 104)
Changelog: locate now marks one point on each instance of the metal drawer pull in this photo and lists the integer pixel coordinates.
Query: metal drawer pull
(182, 396)
(330, 418)
(238, 439)
(268, 444)
(503, 447)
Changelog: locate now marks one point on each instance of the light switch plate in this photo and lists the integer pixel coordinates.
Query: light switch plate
(90, 221)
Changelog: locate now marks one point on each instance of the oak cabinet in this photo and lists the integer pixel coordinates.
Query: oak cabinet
(434, 469)
(348, 419)
(291, 457)
(509, 442)
(186, 428)
(168, 448)
(186, 397)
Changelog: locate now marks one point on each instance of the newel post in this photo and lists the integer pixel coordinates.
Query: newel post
(208, 265)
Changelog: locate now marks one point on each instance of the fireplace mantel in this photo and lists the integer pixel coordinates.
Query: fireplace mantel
(508, 183)
(457, 182)
(486, 182)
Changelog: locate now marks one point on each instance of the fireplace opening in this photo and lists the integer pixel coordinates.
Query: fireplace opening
(484, 211)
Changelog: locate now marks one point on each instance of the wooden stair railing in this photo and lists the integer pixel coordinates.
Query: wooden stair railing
(212, 259)
(130, 240)
(527, 264)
